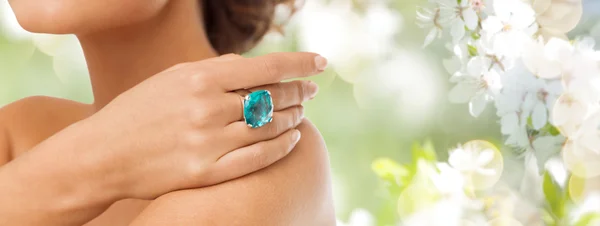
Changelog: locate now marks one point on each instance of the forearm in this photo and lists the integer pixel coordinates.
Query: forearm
(54, 184)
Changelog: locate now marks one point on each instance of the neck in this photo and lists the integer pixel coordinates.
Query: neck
(120, 58)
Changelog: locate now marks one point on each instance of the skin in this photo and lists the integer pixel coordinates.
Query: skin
(67, 163)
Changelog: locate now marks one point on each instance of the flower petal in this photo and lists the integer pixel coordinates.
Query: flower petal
(462, 92)
(591, 141)
(476, 66)
(562, 15)
(430, 37)
(539, 116)
(458, 157)
(558, 49)
(581, 161)
(486, 172)
(519, 138)
(493, 81)
(548, 33)
(471, 18)
(503, 8)
(509, 123)
(460, 51)
(538, 63)
(529, 103)
(492, 24)
(540, 6)
(546, 147)
(584, 90)
(568, 114)
(458, 30)
(477, 105)
(485, 157)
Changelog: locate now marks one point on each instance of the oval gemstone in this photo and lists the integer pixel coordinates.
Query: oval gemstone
(258, 108)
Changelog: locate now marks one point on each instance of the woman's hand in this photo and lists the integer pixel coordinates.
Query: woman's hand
(183, 128)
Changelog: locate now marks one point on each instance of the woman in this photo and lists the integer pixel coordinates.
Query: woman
(171, 134)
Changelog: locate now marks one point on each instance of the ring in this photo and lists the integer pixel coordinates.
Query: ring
(258, 108)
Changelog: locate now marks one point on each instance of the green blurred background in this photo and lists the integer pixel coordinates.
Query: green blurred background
(382, 92)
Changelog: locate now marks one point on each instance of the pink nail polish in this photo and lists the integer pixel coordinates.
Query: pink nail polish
(313, 89)
(320, 63)
(296, 136)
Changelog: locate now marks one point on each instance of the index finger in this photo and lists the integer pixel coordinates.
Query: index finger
(272, 68)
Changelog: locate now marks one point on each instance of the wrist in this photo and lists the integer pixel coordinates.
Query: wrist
(60, 176)
(34, 195)
(85, 168)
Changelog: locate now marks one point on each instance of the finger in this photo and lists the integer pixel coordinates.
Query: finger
(242, 135)
(177, 66)
(254, 157)
(268, 69)
(226, 57)
(284, 95)
(234, 105)
(287, 94)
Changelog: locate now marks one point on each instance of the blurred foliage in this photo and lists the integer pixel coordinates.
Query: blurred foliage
(397, 177)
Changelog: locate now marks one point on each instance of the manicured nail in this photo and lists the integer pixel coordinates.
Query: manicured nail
(312, 89)
(300, 114)
(296, 136)
(320, 63)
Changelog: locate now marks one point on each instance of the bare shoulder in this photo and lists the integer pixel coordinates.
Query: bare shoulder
(42, 106)
(294, 191)
(30, 120)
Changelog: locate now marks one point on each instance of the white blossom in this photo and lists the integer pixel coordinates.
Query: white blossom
(511, 206)
(456, 64)
(531, 181)
(448, 184)
(557, 17)
(471, 161)
(581, 75)
(445, 213)
(459, 16)
(512, 24)
(569, 114)
(430, 19)
(509, 102)
(540, 99)
(477, 85)
(544, 60)
(485, 48)
(518, 56)
(581, 153)
(546, 148)
(558, 171)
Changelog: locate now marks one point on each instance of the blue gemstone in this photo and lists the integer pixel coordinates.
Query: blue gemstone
(258, 108)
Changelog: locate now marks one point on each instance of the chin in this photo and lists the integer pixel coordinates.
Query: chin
(46, 20)
(77, 17)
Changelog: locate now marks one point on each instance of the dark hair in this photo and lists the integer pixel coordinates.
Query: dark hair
(236, 26)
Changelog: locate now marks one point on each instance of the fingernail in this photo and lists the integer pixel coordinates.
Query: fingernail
(300, 113)
(296, 136)
(312, 89)
(320, 63)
